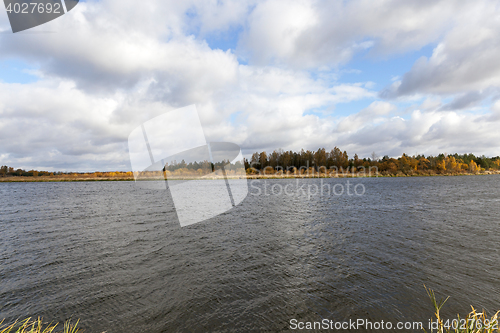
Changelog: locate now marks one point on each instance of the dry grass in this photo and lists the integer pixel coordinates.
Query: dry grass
(37, 326)
(474, 322)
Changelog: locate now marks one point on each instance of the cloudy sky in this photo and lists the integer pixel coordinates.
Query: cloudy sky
(381, 76)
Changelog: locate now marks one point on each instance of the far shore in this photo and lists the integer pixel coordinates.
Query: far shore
(68, 178)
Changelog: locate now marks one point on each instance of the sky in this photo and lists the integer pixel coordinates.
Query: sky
(382, 76)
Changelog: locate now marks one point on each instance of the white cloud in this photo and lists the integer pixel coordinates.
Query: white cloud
(318, 33)
(47, 119)
(465, 61)
(428, 133)
(370, 115)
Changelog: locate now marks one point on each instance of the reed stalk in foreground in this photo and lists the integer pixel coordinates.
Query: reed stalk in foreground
(474, 322)
(37, 326)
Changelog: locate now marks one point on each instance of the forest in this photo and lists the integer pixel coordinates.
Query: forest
(338, 161)
(6, 171)
(304, 163)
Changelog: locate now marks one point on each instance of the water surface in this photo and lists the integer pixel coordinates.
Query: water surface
(114, 255)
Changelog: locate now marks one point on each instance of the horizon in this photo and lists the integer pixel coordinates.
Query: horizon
(351, 158)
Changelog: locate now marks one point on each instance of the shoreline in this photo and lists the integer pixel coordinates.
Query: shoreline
(58, 179)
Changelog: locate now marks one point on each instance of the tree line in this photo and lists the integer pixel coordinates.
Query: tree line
(10, 171)
(6, 171)
(319, 161)
(203, 165)
(339, 160)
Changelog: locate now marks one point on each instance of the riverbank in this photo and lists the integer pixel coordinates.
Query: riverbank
(70, 178)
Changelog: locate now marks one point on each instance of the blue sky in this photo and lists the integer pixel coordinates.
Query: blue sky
(17, 71)
(368, 76)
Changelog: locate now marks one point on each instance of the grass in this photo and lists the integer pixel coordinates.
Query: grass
(37, 326)
(474, 322)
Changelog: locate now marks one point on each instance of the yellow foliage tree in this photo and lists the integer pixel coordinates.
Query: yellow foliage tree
(423, 164)
(441, 165)
(451, 163)
(473, 166)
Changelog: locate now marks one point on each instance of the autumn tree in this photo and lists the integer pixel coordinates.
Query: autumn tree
(440, 165)
(451, 163)
(423, 164)
(263, 160)
(472, 166)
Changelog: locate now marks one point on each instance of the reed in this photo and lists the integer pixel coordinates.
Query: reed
(474, 322)
(38, 326)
